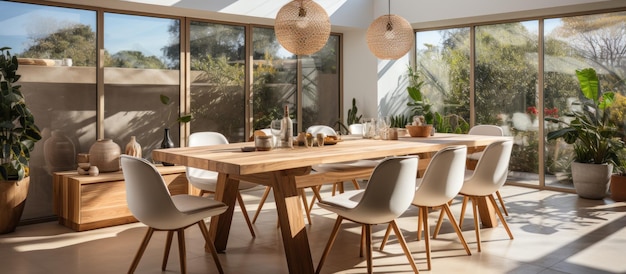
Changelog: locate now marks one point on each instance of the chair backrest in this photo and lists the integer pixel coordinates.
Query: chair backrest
(328, 131)
(389, 191)
(147, 195)
(490, 130)
(491, 171)
(356, 129)
(206, 138)
(443, 178)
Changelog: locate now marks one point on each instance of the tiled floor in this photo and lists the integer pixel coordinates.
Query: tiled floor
(554, 233)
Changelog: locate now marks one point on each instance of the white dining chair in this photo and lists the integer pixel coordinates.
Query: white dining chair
(487, 130)
(440, 183)
(206, 180)
(337, 186)
(150, 202)
(388, 194)
(488, 177)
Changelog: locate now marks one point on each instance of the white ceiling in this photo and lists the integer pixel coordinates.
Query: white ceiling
(360, 13)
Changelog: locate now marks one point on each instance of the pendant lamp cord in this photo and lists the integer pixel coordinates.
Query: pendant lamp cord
(389, 25)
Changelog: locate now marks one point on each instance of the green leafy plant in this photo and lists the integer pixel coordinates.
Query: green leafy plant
(18, 132)
(420, 104)
(595, 138)
(182, 119)
(352, 114)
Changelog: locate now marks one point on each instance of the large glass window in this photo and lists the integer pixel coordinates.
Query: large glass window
(443, 64)
(274, 79)
(506, 72)
(217, 79)
(56, 50)
(320, 86)
(571, 43)
(142, 57)
(313, 100)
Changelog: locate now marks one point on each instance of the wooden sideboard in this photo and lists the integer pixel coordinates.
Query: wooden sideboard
(85, 202)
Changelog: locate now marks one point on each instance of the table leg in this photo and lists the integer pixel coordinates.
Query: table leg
(487, 213)
(226, 192)
(291, 221)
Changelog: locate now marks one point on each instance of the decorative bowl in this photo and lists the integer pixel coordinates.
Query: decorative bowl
(420, 131)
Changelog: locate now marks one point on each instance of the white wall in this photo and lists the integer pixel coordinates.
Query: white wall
(359, 74)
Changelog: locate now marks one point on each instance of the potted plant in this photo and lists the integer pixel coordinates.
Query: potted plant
(596, 140)
(18, 134)
(420, 107)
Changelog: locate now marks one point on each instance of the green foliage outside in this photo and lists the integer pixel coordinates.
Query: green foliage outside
(595, 137)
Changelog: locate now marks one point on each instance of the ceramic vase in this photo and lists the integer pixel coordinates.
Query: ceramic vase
(59, 152)
(167, 143)
(133, 148)
(105, 154)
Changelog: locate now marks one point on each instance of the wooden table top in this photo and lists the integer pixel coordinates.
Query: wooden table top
(230, 159)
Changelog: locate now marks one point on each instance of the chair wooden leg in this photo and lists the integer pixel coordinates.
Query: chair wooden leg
(263, 198)
(210, 246)
(439, 222)
(424, 211)
(168, 244)
(404, 246)
(362, 246)
(384, 242)
(419, 223)
(329, 245)
(476, 223)
(182, 251)
(334, 189)
(142, 248)
(446, 208)
(502, 203)
(463, 205)
(305, 204)
(506, 226)
(355, 183)
(368, 246)
(244, 211)
(316, 195)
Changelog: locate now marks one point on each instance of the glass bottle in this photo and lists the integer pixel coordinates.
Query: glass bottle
(286, 130)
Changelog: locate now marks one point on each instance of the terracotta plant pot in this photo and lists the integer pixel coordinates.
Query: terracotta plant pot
(420, 131)
(618, 188)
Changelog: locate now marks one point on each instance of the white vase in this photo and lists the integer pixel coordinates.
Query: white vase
(133, 148)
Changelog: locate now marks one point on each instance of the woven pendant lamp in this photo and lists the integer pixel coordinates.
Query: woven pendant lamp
(302, 27)
(390, 36)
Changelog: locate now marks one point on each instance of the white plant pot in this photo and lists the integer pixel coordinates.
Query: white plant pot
(591, 181)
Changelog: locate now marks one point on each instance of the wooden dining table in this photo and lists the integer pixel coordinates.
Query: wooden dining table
(287, 170)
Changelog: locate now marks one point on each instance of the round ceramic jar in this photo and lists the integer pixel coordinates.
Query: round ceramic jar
(105, 154)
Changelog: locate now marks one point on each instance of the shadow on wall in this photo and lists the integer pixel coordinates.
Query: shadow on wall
(394, 101)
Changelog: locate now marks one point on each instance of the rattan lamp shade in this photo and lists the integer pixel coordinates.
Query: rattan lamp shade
(390, 37)
(302, 27)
